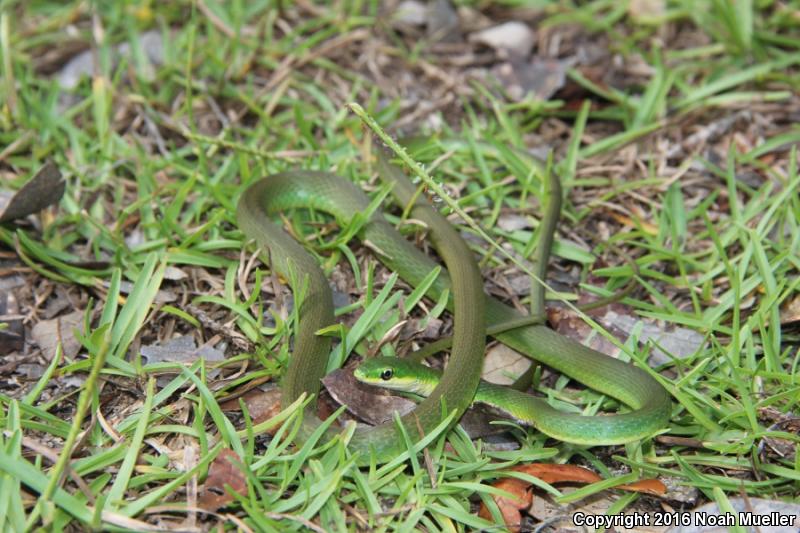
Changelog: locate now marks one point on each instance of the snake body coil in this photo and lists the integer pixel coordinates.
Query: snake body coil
(473, 312)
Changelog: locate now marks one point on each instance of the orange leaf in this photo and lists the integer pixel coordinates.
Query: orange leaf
(648, 486)
(510, 507)
(549, 473)
(646, 226)
(222, 473)
(558, 473)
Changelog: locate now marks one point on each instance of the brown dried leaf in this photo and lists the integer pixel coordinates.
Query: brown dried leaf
(44, 189)
(180, 350)
(620, 321)
(162, 296)
(676, 341)
(48, 333)
(551, 473)
(514, 36)
(647, 11)
(443, 23)
(513, 222)
(83, 64)
(370, 404)
(538, 78)
(410, 12)
(790, 311)
(648, 486)
(571, 325)
(502, 362)
(261, 405)
(223, 475)
(644, 225)
(12, 332)
(510, 508)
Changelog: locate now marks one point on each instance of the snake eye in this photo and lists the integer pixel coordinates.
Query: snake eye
(387, 374)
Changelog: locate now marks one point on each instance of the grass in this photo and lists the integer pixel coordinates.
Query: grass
(156, 155)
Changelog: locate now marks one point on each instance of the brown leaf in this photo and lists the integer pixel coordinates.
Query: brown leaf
(44, 189)
(647, 11)
(82, 64)
(12, 334)
(513, 36)
(223, 475)
(620, 320)
(569, 324)
(538, 78)
(48, 333)
(502, 365)
(647, 486)
(442, 23)
(644, 225)
(180, 350)
(370, 404)
(261, 405)
(790, 311)
(410, 12)
(510, 507)
(550, 473)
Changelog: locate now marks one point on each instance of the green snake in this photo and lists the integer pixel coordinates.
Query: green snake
(474, 313)
(409, 376)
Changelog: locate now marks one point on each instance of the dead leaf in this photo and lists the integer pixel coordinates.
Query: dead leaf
(180, 350)
(224, 475)
(411, 12)
(668, 340)
(513, 36)
(790, 310)
(370, 404)
(12, 330)
(552, 473)
(644, 225)
(82, 64)
(647, 486)
(538, 78)
(12, 334)
(511, 508)
(502, 362)
(647, 11)
(44, 189)
(162, 296)
(174, 273)
(48, 333)
(571, 325)
(512, 222)
(442, 23)
(261, 405)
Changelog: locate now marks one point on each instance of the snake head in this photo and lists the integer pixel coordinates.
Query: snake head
(397, 374)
